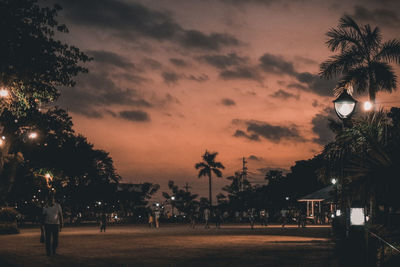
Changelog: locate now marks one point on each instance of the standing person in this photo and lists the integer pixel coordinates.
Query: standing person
(103, 223)
(206, 217)
(218, 218)
(284, 214)
(252, 217)
(157, 218)
(263, 218)
(266, 217)
(151, 220)
(53, 222)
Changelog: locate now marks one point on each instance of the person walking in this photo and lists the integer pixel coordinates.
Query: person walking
(206, 218)
(157, 218)
(218, 218)
(263, 218)
(103, 223)
(151, 220)
(284, 214)
(53, 222)
(252, 217)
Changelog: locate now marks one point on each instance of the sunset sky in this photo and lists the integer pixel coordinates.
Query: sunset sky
(172, 78)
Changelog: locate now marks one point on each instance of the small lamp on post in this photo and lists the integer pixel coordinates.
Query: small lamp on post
(344, 105)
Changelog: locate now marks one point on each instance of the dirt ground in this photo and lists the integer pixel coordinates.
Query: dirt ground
(174, 245)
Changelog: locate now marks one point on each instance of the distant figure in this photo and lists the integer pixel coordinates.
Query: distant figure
(263, 218)
(284, 214)
(53, 222)
(206, 217)
(193, 219)
(302, 219)
(237, 216)
(218, 218)
(157, 218)
(103, 223)
(266, 218)
(252, 217)
(151, 220)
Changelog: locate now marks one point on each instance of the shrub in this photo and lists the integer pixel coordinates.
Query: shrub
(8, 214)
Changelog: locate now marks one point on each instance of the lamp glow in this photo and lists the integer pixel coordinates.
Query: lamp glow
(173, 198)
(4, 93)
(32, 135)
(344, 105)
(357, 216)
(338, 212)
(367, 106)
(334, 181)
(47, 176)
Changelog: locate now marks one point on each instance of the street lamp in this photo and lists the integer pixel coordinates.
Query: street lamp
(333, 181)
(367, 105)
(32, 135)
(345, 105)
(4, 93)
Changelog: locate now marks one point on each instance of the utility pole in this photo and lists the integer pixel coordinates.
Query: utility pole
(244, 174)
(187, 187)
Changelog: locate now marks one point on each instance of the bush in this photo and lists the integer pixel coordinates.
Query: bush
(8, 214)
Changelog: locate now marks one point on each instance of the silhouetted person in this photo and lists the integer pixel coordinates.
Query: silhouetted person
(284, 214)
(151, 220)
(157, 218)
(263, 218)
(218, 218)
(252, 217)
(103, 223)
(206, 217)
(53, 222)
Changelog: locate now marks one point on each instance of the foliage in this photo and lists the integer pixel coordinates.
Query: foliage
(363, 58)
(184, 201)
(8, 214)
(209, 166)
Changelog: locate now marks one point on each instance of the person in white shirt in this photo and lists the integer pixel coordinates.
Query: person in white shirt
(53, 222)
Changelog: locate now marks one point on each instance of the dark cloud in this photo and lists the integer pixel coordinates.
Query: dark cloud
(267, 169)
(255, 158)
(276, 64)
(306, 60)
(200, 78)
(110, 58)
(171, 77)
(316, 84)
(320, 124)
(228, 102)
(94, 91)
(243, 72)
(223, 61)
(284, 95)
(135, 115)
(273, 133)
(178, 62)
(381, 16)
(130, 21)
(151, 63)
(252, 137)
(213, 41)
(308, 81)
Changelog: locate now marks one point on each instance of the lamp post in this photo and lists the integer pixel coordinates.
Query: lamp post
(344, 106)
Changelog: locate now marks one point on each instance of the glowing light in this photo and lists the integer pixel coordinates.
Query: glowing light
(357, 216)
(334, 181)
(173, 198)
(32, 135)
(157, 204)
(3, 137)
(1, 142)
(4, 93)
(338, 212)
(48, 176)
(287, 198)
(344, 109)
(367, 106)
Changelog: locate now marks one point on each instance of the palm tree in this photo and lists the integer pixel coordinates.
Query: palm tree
(363, 59)
(209, 166)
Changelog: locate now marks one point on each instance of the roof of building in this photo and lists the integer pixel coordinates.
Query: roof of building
(324, 194)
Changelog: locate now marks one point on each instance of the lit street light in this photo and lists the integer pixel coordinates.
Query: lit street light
(32, 135)
(345, 105)
(4, 93)
(333, 181)
(367, 106)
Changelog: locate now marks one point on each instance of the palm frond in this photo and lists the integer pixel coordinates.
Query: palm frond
(340, 63)
(385, 78)
(343, 39)
(357, 78)
(389, 52)
(204, 172)
(217, 172)
(200, 165)
(373, 38)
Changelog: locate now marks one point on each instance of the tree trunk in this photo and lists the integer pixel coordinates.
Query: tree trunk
(209, 187)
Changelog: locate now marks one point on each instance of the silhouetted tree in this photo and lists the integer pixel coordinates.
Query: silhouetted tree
(209, 166)
(363, 58)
